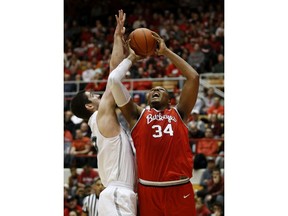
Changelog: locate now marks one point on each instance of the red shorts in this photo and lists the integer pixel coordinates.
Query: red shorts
(166, 201)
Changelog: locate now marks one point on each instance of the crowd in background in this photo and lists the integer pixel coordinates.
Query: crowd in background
(192, 29)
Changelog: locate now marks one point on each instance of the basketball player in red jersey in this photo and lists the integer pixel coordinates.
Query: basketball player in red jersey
(160, 135)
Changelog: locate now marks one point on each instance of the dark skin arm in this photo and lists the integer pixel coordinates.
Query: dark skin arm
(189, 91)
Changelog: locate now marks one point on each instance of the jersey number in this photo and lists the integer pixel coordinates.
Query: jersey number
(158, 130)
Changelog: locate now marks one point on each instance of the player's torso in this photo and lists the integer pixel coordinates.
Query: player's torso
(115, 157)
(162, 146)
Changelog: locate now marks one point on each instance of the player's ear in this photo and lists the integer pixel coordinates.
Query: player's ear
(89, 106)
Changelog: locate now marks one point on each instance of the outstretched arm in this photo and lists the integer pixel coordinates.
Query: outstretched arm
(118, 46)
(130, 110)
(107, 119)
(189, 91)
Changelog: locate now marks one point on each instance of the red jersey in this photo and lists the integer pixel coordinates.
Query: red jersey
(162, 146)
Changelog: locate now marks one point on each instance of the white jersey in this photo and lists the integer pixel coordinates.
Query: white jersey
(116, 161)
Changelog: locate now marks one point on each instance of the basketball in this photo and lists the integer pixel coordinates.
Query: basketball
(142, 42)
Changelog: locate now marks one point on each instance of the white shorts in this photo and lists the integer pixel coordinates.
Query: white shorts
(117, 200)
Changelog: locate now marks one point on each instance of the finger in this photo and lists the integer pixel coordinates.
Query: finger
(155, 34)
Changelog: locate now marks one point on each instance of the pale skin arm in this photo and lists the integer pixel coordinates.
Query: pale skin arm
(131, 111)
(106, 118)
(189, 91)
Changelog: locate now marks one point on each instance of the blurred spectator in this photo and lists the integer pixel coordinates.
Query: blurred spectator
(69, 87)
(194, 131)
(201, 208)
(208, 99)
(145, 83)
(78, 79)
(216, 126)
(196, 59)
(68, 139)
(95, 84)
(214, 190)
(85, 129)
(139, 22)
(81, 50)
(87, 176)
(66, 195)
(207, 174)
(195, 118)
(219, 67)
(172, 71)
(217, 109)
(89, 73)
(206, 48)
(80, 194)
(68, 123)
(200, 161)
(199, 105)
(73, 180)
(217, 209)
(72, 206)
(74, 213)
(220, 158)
(207, 145)
(215, 44)
(80, 146)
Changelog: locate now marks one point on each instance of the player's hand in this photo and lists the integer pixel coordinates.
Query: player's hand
(120, 28)
(132, 55)
(161, 46)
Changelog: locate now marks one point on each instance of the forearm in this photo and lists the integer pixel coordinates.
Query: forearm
(119, 91)
(117, 52)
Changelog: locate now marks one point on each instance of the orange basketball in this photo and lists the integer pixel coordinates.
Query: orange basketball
(142, 42)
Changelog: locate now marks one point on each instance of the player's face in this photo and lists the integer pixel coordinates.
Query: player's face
(158, 96)
(93, 97)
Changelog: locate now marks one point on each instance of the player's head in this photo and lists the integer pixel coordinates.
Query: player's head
(85, 103)
(158, 98)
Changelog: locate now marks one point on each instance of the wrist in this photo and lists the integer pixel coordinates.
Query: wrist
(131, 57)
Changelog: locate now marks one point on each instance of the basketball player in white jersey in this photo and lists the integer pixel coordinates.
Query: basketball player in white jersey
(115, 156)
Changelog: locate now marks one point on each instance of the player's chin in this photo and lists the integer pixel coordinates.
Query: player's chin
(155, 103)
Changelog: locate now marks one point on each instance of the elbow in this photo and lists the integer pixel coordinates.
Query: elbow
(112, 80)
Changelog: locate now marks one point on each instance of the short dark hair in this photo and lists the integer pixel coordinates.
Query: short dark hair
(78, 103)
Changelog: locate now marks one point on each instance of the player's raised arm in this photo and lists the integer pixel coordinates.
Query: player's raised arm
(189, 91)
(118, 46)
(106, 118)
(130, 110)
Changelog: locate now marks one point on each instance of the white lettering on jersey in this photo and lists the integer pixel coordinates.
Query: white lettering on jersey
(159, 117)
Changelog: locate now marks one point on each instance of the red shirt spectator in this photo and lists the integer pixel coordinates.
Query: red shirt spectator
(81, 144)
(201, 208)
(87, 176)
(72, 206)
(172, 71)
(217, 109)
(207, 146)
